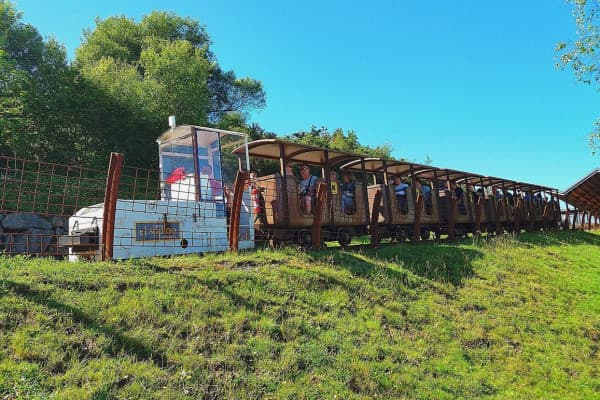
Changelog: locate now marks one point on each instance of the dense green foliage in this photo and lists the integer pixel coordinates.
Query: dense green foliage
(126, 79)
(321, 137)
(581, 55)
(508, 318)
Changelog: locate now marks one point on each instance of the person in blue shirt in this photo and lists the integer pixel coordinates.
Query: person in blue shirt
(425, 190)
(306, 188)
(348, 192)
(400, 189)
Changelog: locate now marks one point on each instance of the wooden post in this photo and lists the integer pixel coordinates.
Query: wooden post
(567, 216)
(590, 221)
(451, 208)
(452, 218)
(236, 206)
(325, 170)
(318, 214)
(478, 206)
(284, 188)
(387, 195)
(419, 200)
(531, 210)
(497, 224)
(518, 205)
(545, 214)
(374, 227)
(575, 215)
(115, 167)
(365, 190)
(469, 199)
(418, 213)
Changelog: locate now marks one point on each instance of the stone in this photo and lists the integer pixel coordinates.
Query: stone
(1, 217)
(22, 222)
(31, 241)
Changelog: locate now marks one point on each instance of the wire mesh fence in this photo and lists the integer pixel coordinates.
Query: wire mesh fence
(36, 200)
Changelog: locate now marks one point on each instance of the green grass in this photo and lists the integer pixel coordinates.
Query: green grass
(504, 318)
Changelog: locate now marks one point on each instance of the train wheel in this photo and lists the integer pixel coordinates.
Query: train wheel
(344, 237)
(399, 236)
(305, 238)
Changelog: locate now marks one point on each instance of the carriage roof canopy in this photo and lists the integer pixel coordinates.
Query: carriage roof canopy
(296, 152)
(429, 172)
(585, 193)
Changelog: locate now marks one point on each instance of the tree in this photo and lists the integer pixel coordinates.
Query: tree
(321, 137)
(581, 55)
(36, 92)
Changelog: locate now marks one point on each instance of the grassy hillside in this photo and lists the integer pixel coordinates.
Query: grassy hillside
(511, 318)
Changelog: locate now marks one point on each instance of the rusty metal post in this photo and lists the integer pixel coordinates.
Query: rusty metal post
(318, 214)
(236, 206)
(374, 226)
(115, 167)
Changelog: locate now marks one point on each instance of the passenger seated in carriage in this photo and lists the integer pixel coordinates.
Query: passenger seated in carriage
(348, 189)
(400, 189)
(289, 170)
(509, 198)
(460, 198)
(306, 188)
(425, 190)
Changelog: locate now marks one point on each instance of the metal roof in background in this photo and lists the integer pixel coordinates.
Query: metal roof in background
(585, 193)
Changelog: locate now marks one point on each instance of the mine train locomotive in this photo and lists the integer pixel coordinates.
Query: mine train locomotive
(190, 213)
(208, 202)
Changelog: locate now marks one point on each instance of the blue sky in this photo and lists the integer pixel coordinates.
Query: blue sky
(471, 84)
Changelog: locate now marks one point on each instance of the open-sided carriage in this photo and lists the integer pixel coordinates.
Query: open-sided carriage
(280, 213)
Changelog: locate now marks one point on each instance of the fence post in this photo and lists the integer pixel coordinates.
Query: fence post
(234, 217)
(115, 167)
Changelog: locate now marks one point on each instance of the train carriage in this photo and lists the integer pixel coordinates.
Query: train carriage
(280, 212)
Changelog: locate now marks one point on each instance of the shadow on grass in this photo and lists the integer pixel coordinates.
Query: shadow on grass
(558, 238)
(120, 342)
(442, 263)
